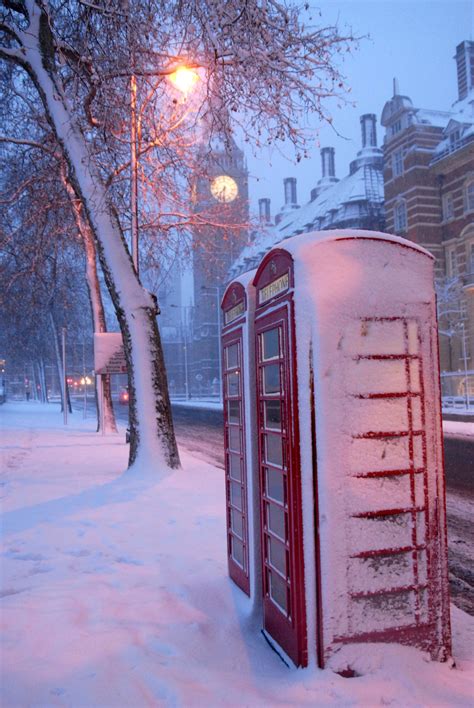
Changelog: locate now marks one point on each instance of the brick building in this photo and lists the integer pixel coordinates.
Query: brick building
(429, 199)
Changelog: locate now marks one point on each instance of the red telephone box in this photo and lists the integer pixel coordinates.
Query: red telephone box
(243, 537)
(350, 464)
(278, 457)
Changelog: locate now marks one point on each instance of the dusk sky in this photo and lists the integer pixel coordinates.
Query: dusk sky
(413, 40)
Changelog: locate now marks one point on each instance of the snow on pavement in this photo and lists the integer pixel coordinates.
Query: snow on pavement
(115, 590)
(458, 428)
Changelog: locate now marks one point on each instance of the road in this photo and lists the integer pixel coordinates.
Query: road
(200, 431)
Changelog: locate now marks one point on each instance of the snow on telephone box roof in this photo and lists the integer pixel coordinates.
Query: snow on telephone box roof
(365, 332)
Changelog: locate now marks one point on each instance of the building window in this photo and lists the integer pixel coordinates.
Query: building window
(470, 258)
(396, 127)
(469, 196)
(454, 138)
(397, 163)
(400, 216)
(452, 262)
(448, 207)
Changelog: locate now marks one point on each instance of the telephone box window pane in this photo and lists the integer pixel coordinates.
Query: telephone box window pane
(278, 592)
(276, 520)
(275, 485)
(236, 523)
(272, 415)
(233, 411)
(270, 344)
(232, 356)
(274, 450)
(238, 551)
(271, 379)
(277, 555)
(234, 438)
(236, 495)
(234, 467)
(233, 383)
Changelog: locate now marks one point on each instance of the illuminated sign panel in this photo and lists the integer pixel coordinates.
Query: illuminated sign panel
(234, 312)
(275, 288)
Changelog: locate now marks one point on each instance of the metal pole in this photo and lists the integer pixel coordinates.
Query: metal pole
(186, 373)
(84, 377)
(63, 333)
(134, 169)
(464, 355)
(219, 342)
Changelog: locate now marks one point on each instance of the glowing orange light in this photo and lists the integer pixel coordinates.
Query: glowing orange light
(184, 79)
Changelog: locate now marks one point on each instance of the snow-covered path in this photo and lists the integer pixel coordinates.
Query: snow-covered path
(115, 590)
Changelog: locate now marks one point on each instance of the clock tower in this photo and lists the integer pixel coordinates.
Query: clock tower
(221, 201)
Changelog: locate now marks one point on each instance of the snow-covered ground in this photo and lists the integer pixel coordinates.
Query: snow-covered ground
(115, 591)
(458, 429)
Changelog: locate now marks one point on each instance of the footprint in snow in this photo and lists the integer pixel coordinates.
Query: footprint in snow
(128, 561)
(12, 591)
(28, 557)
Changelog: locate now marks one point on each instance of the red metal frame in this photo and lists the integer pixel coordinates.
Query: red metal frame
(288, 628)
(232, 335)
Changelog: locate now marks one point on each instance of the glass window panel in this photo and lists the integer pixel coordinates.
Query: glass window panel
(416, 413)
(237, 549)
(233, 383)
(277, 554)
(276, 520)
(278, 591)
(233, 411)
(234, 437)
(271, 344)
(274, 450)
(235, 467)
(236, 523)
(236, 495)
(275, 485)
(414, 375)
(232, 356)
(272, 415)
(271, 379)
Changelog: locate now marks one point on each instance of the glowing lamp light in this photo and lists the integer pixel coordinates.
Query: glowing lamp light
(184, 79)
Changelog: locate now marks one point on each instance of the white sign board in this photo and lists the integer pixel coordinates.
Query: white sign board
(109, 355)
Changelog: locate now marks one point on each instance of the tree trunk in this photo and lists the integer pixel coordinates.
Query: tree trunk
(95, 299)
(152, 441)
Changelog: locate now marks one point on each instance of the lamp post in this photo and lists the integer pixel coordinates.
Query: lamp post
(185, 346)
(184, 80)
(464, 356)
(217, 290)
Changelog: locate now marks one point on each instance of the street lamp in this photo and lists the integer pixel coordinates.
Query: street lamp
(217, 290)
(184, 79)
(185, 347)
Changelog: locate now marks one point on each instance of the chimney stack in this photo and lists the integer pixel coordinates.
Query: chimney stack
(369, 132)
(289, 185)
(465, 68)
(264, 210)
(327, 162)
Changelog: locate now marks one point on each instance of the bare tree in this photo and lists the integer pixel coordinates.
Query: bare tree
(261, 66)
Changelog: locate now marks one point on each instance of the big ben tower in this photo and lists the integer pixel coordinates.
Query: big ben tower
(221, 200)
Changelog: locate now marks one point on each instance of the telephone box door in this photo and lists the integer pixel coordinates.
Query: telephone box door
(280, 481)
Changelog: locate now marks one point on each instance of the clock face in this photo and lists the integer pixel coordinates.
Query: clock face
(224, 188)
